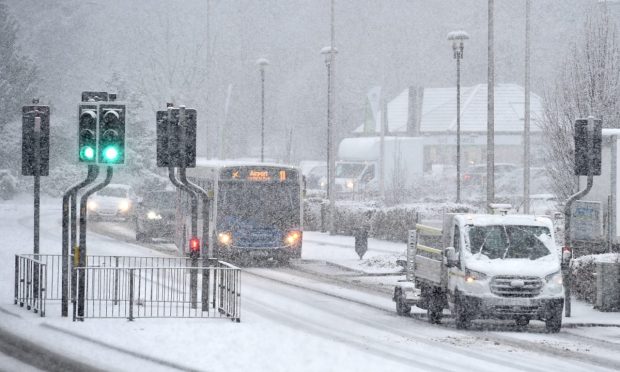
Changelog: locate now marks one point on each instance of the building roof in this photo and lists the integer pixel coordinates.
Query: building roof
(439, 110)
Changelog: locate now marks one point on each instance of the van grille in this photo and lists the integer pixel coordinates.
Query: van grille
(510, 286)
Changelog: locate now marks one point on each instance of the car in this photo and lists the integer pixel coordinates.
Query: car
(114, 202)
(155, 215)
(474, 177)
(317, 178)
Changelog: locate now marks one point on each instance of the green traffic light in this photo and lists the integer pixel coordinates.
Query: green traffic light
(110, 153)
(87, 153)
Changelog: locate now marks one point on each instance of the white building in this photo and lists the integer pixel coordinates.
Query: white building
(436, 122)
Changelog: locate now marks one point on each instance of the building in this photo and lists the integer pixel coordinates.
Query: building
(431, 113)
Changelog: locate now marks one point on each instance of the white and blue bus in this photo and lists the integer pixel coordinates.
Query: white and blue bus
(256, 209)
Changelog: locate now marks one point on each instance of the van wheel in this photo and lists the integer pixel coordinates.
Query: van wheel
(522, 322)
(553, 323)
(461, 317)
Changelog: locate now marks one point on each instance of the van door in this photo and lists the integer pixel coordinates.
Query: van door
(455, 274)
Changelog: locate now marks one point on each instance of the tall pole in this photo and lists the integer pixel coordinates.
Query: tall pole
(330, 132)
(262, 62)
(490, 112)
(458, 38)
(526, 125)
(262, 114)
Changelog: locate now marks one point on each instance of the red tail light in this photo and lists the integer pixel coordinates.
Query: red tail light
(194, 244)
(466, 177)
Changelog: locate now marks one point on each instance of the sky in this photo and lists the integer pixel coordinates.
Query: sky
(190, 52)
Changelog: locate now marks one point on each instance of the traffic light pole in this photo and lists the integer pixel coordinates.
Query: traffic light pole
(566, 268)
(82, 247)
(69, 199)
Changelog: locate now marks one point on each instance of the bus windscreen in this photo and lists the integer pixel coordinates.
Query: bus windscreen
(258, 205)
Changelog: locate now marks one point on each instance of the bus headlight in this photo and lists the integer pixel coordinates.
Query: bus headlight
(152, 215)
(123, 205)
(293, 237)
(225, 238)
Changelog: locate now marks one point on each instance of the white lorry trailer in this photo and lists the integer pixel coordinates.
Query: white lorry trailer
(488, 266)
(358, 168)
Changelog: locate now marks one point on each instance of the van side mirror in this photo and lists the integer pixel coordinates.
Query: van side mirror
(451, 257)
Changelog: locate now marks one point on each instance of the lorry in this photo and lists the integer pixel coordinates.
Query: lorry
(484, 266)
(358, 166)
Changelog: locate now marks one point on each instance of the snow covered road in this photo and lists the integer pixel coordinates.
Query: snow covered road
(291, 321)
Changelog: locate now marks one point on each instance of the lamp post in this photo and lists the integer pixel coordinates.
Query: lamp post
(262, 63)
(330, 53)
(458, 38)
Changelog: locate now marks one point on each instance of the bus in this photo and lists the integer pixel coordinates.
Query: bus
(256, 210)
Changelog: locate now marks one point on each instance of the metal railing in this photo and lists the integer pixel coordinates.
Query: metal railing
(30, 283)
(158, 287)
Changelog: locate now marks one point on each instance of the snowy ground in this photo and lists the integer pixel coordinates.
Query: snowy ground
(293, 320)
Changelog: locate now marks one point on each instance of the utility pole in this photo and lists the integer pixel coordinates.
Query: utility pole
(526, 124)
(330, 124)
(490, 112)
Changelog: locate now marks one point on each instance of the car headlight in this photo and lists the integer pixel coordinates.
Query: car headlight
(225, 238)
(471, 276)
(91, 205)
(152, 215)
(123, 205)
(350, 184)
(293, 237)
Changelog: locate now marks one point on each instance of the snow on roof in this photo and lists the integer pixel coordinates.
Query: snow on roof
(439, 110)
(221, 163)
(511, 219)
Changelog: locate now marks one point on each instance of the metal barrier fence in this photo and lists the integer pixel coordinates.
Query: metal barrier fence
(121, 287)
(30, 283)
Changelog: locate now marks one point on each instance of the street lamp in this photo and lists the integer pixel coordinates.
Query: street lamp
(262, 63)
(458, 38)
(329, 53)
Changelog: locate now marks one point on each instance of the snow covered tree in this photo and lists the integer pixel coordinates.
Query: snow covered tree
(18, 74)
(587, 84)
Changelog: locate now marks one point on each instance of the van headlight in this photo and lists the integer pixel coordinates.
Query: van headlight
(554, 281)
(472, 276)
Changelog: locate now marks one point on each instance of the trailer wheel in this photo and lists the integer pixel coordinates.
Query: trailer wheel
(402, 308)
(461, 316)
(434, 317)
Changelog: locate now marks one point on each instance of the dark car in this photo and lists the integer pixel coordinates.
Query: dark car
(155, 215)
(474, 177)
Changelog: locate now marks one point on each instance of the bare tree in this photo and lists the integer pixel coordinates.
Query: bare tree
(587, 84)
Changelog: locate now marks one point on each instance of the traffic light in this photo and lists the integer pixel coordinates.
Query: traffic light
(170, 139)
(194, 247)
(189, 155)
(30, 126)
(111, 147)
(582, 148)
(87, 133)
(163, 157)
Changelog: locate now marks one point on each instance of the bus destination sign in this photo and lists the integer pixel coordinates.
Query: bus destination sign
(256, 174)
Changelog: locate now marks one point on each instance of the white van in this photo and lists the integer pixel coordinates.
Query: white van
(503, 267)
